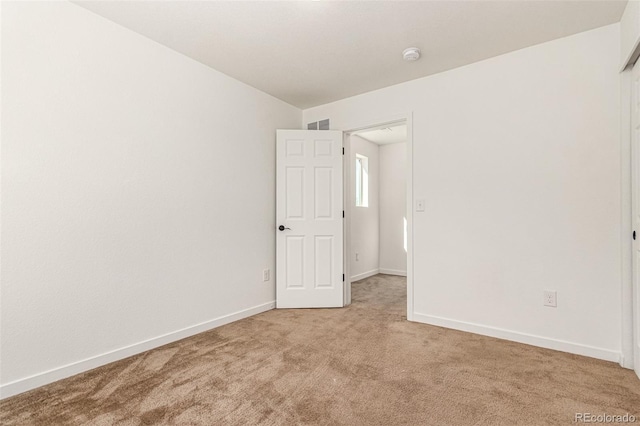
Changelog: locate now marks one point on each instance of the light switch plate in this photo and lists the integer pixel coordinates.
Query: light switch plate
(420, 205)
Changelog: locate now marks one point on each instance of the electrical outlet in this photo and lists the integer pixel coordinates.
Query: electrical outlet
(550, 298)
(266, 275)
(357, 257)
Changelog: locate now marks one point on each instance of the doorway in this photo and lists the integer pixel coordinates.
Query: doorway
(377, 206)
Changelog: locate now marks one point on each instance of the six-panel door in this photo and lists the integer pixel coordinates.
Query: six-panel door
(309, 208)
(635, 209)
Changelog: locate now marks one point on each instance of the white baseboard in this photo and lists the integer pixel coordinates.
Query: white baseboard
(364, 275)
(515, 336)
(392, 272)
(41, 379)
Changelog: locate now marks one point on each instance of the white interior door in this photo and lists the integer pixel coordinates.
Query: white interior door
(309, 219)
(635, 210)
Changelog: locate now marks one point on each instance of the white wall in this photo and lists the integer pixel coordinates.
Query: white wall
(138, 194)
(518, 159)
(365, 235)
(393, 208)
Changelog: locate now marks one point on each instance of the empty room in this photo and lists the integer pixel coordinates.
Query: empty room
(319, 212)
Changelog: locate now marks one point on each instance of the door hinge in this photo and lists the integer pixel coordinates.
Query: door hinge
(342, 277)
(343, 213)
(342, 150)
(634, 234)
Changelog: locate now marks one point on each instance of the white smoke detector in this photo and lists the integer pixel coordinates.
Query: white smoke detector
(411, 54)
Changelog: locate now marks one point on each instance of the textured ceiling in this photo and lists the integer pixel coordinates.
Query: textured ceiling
(309, 53)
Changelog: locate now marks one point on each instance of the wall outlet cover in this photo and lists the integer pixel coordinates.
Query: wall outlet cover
(550, 298)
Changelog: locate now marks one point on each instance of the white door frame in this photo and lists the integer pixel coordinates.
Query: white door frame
(384, 122)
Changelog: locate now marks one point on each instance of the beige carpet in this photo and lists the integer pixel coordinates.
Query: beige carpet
(363, 365)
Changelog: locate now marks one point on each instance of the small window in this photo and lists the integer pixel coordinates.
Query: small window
(362, 181)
